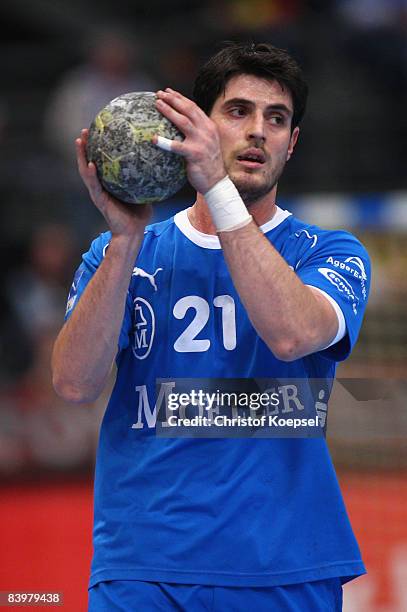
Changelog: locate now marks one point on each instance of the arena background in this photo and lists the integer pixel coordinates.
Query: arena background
(61, 61)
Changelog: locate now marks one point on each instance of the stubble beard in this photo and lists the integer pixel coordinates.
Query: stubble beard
(251, 191)
(251, 194)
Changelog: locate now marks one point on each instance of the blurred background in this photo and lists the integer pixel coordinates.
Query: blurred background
(61, 62)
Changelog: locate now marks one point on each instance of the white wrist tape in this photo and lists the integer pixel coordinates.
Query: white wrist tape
(226, 206)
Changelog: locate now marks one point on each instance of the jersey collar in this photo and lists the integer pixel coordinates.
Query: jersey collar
(209, 241)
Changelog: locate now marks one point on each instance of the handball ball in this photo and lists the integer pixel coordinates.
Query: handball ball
(129, 165)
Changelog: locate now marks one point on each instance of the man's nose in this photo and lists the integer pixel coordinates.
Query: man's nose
(256, 128)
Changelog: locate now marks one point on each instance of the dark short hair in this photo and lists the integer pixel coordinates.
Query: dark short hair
(258, 59)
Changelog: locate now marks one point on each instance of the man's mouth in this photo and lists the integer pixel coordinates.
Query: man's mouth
(252, 158)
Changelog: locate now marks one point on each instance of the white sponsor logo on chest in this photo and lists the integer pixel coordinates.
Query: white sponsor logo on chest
(143, 274)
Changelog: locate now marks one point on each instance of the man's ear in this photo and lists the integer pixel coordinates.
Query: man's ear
(293, 141)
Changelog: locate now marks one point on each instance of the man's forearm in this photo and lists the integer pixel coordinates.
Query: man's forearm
(288, 316)
(87, 344)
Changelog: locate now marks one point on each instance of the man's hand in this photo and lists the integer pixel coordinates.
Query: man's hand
(127, 220)
(87, 344)
(201, 147)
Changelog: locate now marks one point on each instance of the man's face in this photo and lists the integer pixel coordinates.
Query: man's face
(253, 117)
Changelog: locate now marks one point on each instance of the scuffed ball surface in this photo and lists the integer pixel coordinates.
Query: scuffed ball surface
(129, 166)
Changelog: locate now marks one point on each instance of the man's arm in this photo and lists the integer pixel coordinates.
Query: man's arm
(293, 320)
(87, 344)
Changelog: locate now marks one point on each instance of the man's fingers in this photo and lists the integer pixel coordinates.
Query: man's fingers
(184, 106)
(175, 146)
(81, 157)
(81, 143)
(172, 91)
(85, 136)
(92, 182)
(83, 163)
(81, 153)
(163, 143)
(182, 122)
(87, 170)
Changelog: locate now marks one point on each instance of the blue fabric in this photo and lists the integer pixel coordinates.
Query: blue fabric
(133, 595)
(226, 512)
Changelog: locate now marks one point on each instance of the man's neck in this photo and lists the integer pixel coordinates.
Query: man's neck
(200, 217)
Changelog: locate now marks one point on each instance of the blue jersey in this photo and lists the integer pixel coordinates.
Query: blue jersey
(227, 512)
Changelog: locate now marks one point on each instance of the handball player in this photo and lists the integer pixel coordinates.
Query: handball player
(232, 287)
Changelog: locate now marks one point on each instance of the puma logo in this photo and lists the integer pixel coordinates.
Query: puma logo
(144, 274)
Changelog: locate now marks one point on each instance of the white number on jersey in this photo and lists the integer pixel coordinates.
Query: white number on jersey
(187, 341)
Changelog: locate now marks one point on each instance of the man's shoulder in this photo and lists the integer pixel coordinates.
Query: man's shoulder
(100, 244)
(302, 232)
(159, 228)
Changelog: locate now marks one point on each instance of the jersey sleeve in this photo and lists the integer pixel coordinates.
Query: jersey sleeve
(90, 263)
(338, 265)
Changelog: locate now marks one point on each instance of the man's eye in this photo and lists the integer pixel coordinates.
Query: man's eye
(277, 119)
(237, 111)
